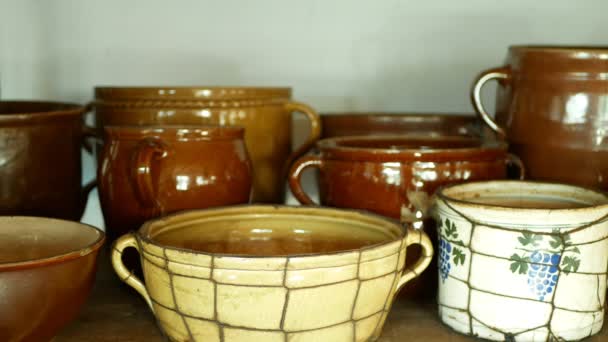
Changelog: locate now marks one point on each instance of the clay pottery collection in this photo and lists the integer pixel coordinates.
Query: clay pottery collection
(47, 270)
(522, 261)
(378, 123)
(265, 113)
(150, 171)
(40, 161)
(551, 107)
(247, 273)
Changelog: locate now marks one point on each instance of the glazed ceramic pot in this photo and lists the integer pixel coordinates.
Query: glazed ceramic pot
(150, 171)
(551, 107)
(265, 113)
(376, 123)
(40, 161)
(47, 270)
(271, 273)
(522, 261)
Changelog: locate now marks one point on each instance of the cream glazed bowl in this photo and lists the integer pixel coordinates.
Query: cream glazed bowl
(522, 261)
(271, 273)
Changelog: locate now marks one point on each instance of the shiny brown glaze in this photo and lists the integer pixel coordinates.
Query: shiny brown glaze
(40, 161)
(150, 171)
(47, 270)
(396, 176)
(265, 113)
(346, 124)
(551, 107)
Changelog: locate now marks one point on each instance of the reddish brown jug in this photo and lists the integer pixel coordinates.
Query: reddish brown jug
(40, 160)
(552, 107)
(146, 172)
(265, 113)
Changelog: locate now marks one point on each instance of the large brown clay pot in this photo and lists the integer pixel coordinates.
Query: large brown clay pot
(40, 160)
(265, 113)
(150, 171)
(552, 107)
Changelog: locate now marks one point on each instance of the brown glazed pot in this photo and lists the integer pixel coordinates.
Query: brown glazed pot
(265, 113)
(40, 161)
(149, 171)
(552, 107)
(47, 271)
(376, 123)
(397, 176)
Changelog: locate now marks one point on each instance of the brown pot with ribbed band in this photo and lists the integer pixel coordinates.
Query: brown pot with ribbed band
(396, 176)
(40, 159)
(150, 171)
(265, 113)
(552, 107)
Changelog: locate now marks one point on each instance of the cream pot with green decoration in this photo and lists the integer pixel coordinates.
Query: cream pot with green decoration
(522, 261)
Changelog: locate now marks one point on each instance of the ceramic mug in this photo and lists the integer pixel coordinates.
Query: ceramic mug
(271, 273)
(265, 113)
(149, 171)
(551, 107)
(522, 261)
(40, 159)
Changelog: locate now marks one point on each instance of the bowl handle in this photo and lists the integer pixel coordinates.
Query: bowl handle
(315, 129)
(416, 237)
(502, 73)
(126, 241)
(295, 178)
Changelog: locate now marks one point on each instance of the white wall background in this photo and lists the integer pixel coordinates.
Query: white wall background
(397, 55)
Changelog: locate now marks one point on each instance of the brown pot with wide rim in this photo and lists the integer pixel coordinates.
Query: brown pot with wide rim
(385, 123)
(47, 271)
(40, 159)
(265, 113)
(150, 171)
(397, 176)
(552, 107)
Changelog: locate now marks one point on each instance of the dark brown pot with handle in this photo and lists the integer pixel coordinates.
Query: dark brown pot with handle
(265, 113)
(397, 176)
(40, 160)
(552, 107)
(150, 171)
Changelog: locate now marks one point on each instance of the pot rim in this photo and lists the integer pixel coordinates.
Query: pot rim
(559, 48)
(175, 131)
(397, 115)
(60, 258)
(441, 194)
(191, 93)
(489, 149)
(55, 110)
(254, 209)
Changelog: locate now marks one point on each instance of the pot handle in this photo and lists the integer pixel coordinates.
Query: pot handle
(416, 237)
(315, 129)
(502, 73)
(88, 133)
(144, 154)
(126, 241)
(516, 161)
(295, 177)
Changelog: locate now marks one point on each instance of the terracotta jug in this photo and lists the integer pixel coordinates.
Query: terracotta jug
(265, 113)
(146, 172)
(552, 107)
(40, 159)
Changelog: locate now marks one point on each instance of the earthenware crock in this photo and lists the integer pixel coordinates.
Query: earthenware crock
(290, 274)
(40, 159)
(47, 270)
(379, 123)
(551, 107)
(149, 171)
(532, 268)
(265, 113)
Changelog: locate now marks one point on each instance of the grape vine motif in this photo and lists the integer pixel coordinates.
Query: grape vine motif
(450, 249)
(543, 260)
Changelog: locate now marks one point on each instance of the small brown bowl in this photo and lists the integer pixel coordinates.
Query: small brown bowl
(376, 123)
(47, 270)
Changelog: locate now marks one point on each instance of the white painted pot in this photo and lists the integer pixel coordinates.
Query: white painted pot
(509, 273)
